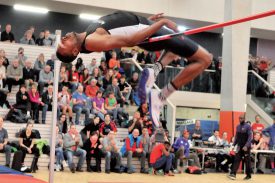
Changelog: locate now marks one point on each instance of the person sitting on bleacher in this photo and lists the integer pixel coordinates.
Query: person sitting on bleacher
(47, 41)
(14, 74)
(4, 147)
(50, 62)
(27, 145)
(81, 105)
(133, 148)
(114, 87)
(135, 123)
(63, 77)
(85, 78)
(107, 126)
(3, 99)
(47, 99)
(35, 102)
(93, 148)
(60, 160)
(21, 57)
(93, 126)
(114, 62)
(98, 105)
(145, 139)
(45, 78)
(62, 124)
(7, 35)
(182, 151)
(103, 67)
(39, 65)
(134, 85)
(107, 79)
(92, 89)
(91, 66)
(97, 75)
(6, 60)
(2, 73)
(79, 65)
(23, 100)
(72, 144)
(125, 88)
(112, 107)
(27, 38)
(110, 150)
(73, 78)
(28, 74)
(3, 92)
(39, 40)
(64, 101)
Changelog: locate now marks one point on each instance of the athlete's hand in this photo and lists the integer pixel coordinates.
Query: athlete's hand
(171, 25)
(156, 17)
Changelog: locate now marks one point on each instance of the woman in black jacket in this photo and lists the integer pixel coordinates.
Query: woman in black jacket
(93, 126)
(23, 100)
(93, 148)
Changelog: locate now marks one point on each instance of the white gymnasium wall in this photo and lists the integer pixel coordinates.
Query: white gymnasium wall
(198, 10)
(197, 113)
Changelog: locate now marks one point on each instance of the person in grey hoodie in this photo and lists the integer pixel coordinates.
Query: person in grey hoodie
(72, 145)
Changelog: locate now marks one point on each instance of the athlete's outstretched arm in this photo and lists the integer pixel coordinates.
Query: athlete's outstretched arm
(102, 42)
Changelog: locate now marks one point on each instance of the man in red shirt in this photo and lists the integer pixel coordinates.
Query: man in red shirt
(161, 158)
(257, 126)
(92, 89)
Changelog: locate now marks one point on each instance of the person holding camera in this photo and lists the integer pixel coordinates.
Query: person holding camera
(21, 57)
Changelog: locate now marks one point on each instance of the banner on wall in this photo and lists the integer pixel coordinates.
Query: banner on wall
(207, 126)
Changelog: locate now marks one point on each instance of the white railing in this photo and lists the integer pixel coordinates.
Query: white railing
(264, 81)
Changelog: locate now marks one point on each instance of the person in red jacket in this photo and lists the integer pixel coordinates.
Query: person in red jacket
(133, 148)
(257, 126)
(92, 89)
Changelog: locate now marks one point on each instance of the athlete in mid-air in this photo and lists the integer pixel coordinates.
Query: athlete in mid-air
(125, 29)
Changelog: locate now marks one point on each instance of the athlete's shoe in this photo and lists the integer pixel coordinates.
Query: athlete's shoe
(146, 83)
(155, 106)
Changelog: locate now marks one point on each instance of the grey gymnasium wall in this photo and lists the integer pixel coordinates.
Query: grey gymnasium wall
(21, 21)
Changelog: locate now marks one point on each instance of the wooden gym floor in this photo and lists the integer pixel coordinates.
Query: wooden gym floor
(85, 177)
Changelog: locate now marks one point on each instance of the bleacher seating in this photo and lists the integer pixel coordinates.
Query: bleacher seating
(45, 129)
(32, 52)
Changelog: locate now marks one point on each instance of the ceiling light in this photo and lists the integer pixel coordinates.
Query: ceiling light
(89, 16)
(32, 9)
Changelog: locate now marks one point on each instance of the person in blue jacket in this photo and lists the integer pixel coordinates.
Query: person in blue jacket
(270, 132)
